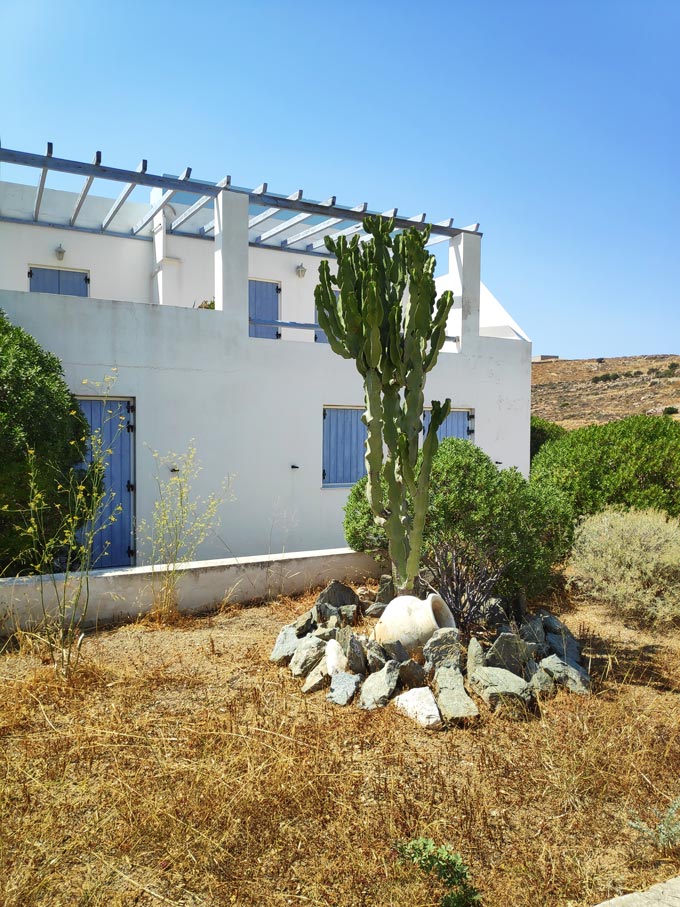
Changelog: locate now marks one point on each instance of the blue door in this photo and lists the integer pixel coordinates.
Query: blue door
(263, 304)
(52, 280)
(344, 439)
(112, 422)
(456, 425)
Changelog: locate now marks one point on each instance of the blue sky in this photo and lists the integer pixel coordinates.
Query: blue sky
(554, 124)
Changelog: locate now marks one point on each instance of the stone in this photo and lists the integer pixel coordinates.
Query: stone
(452, 700)
(353, 651)
(396, 651)
(497, 686)
(318, 678)
(376, 656)
(419, 704)
(337, 595)
(379, 688)
(532, 630)
(475, 656)
(308, 654)
(552, 624)
(386, 590)
(336, 660)
(540, 682)
(286, 643)
(509, 652)
(305, 623)
(575, 678)
(326, 633)
(376, 609)
(344, 688)
(565, 646)
(443, 647)
(325, 613)
(365, 595)
(493, 614)
(412, 674)
(348, 614)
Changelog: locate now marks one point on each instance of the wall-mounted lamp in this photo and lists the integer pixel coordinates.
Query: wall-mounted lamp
(301, 270)
(60, 251)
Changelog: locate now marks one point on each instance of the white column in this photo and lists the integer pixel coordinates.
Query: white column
(231, 258)
(464, 269)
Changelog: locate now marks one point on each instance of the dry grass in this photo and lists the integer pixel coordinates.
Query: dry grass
(563, 390)
(181, 768)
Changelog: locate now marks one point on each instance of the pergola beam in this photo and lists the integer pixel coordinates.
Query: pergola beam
(165, 199)
(122, 198)
(41, 183)
(201, 203)
(271, 212)
(86, 188)
(319, 228)
(298, 218)
(348, 231)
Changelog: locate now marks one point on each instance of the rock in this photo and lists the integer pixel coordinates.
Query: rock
(419, 704)
(378, 688)
(552, 624)
(376, 656)
(575, 678)
(509, 652)
(386, 590)
(540, 682)
(565, 646)
(493, 614)
(343, 688)
(365, 595)
(475, 656)
(305, 623)
(497, 686)
(411, 674)
(532, 630)
(348, 614)
(454, 703)
(286, 643)
(376, 609)
(443, 647)
(396, 651)
(337, 595)
(353, 651)
(318, 678)
(336, 660)
(308, 654)
(325, 613)
(326, 633)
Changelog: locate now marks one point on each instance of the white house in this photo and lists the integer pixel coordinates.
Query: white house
(114, 285)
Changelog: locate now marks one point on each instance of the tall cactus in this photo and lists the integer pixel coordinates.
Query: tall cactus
(388, 320)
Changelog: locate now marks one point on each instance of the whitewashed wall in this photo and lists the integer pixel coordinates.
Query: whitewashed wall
(254, 407)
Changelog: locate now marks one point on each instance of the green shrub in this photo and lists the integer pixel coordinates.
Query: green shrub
(543, 431)
(444, 863)
(631, 561)
(634, 462)
(670, 410)
(495, 522)
(37, 413)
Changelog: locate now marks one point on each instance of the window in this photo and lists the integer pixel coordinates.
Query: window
(344, 437)
(458, 424)
(263, 305)
(54, 280)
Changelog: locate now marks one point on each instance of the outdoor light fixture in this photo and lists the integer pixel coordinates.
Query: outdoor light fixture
(301, 270)
(60, 251)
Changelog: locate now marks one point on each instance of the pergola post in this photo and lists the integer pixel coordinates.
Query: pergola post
(465, 272)
(231, 258)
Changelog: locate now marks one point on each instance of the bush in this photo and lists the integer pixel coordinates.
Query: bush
(496, 525)
(543, 431)
(630, 463)
(631, 561)
(37, 413)
(670, 410)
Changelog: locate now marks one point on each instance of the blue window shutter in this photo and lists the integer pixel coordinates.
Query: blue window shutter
(455, 425)
(44, 280)
(344, 437)
(263, 302)
(73, 283)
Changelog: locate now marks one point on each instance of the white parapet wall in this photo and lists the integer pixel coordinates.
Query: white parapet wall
(127, 593)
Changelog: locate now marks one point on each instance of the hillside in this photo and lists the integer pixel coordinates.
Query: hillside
(563, 390)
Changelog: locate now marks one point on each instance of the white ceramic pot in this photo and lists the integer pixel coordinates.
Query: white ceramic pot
(413, 621)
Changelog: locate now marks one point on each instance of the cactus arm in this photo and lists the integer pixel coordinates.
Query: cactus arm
(374, 420)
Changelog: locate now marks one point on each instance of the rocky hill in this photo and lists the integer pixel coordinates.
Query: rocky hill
(575, 392)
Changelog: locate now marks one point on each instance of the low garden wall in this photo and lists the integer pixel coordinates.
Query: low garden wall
(125, 593)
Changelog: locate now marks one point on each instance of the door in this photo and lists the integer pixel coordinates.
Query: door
(263, 304)
(113, 422)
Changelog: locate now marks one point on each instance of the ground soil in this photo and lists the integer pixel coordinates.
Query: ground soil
(180, 767)
(563, 390)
